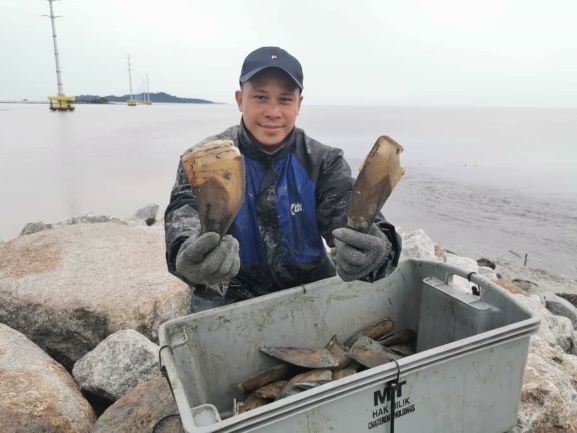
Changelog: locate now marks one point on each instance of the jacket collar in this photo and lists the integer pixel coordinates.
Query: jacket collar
(249, 147)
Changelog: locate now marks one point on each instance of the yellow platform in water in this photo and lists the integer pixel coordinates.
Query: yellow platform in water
(62, 103)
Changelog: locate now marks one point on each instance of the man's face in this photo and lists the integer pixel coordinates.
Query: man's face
(269, 103)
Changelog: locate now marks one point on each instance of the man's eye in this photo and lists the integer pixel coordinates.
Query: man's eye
(259, 97)
(286, 100)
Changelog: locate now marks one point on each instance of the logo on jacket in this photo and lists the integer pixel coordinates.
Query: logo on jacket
(296, 208)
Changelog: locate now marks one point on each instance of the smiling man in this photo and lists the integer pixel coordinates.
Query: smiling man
(297, 193)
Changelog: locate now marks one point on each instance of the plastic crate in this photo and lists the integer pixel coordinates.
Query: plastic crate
(465, 377)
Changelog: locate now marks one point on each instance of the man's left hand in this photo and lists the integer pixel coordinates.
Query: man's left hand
(358, 254)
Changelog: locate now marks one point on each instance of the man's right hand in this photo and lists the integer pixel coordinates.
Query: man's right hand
(208, 259)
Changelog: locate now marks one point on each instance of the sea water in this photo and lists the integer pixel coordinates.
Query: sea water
(498, 182)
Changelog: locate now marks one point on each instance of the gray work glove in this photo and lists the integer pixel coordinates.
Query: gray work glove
(207, 259)
(357, 254)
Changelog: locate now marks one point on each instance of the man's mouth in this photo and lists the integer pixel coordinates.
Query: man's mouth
(271, 127)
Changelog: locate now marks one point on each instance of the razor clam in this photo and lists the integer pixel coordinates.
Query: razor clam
(310, 385)
(377, 178)
(370, 353)
(339, 351)
(374, 331)
(402, 349)
(264, 377)
(303, 357)
(252, 402)
(215, 170)
(271, 390)
(345, 372)
(405, 336)
(317, 375)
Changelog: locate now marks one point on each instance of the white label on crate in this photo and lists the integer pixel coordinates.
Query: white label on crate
(381, 413)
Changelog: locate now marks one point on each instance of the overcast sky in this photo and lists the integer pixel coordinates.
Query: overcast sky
(401, 52)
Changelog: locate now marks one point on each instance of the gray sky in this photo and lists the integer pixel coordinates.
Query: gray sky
(409, 52)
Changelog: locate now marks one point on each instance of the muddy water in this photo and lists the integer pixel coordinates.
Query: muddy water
(499, 182)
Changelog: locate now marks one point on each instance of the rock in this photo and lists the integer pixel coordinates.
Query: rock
(528, 286)
(91, 218)
(139, 411)
(569, 297)
(119, 363)
(418, 244)
(488, 273)
(37, 395)
(561, 307)
(464, 263)
(34, 228)
(549, 386)
(555, 330)
(549, 391)
(70, 287)
(510, 286)
(147, 214)
(486, 263)
(439, 253)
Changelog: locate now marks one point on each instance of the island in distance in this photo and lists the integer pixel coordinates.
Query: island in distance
(154, 97)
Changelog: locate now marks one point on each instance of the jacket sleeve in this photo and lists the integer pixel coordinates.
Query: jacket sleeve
(180, 218)
(334, 191)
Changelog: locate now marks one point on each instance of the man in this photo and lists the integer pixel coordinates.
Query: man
(297, 193)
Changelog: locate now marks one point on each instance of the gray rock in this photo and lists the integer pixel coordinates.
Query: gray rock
(147, 214)
(34, 228)
(90, 218)
(418, 244)
(549, 387)
(528, 286)
(141, 409)
(37, 395)
(555, 330)
(549, 390)
(488, 273)
(561, 307)
(118, 364)
(486, 263)
(569, 297)
(70, 287)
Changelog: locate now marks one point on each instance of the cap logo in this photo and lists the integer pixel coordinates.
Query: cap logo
(274, 56)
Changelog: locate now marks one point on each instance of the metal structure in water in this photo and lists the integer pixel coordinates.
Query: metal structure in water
(60, 102)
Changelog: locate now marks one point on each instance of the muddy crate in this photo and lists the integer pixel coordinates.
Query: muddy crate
(465, 376)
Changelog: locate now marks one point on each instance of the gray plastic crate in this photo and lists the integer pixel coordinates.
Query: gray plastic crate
(465, 377)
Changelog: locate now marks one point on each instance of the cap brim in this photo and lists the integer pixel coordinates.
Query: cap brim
(244, 78)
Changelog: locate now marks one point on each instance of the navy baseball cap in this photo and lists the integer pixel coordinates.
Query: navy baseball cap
(271, 57)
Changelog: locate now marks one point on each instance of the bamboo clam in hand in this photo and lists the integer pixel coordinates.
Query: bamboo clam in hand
(216, 172)
(377, 178)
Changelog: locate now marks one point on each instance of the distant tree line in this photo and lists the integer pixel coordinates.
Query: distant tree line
(154, 97)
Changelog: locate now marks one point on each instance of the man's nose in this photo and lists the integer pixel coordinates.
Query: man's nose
(272, 109)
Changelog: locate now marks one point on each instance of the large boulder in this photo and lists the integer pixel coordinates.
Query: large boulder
(141, 410)
(37, 395)
(34, 228)
(549, 385)
(70, 287)
(90, 218)
(418, 245)
(561, 307)
(147, 214)
(122, 361)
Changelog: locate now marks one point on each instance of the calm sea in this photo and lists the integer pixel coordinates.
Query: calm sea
(480, 181)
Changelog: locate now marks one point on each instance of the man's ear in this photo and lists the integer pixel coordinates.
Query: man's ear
(300, 102)
(238, 97)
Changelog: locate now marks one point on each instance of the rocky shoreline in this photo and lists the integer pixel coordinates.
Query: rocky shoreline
(81, 301)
